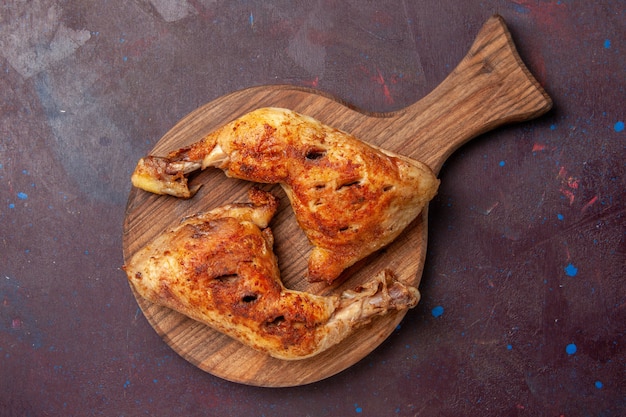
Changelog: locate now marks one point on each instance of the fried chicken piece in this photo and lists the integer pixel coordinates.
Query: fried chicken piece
(219, 268)
(350, 198)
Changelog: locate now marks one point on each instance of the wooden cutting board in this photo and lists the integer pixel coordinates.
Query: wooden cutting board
(490, 87)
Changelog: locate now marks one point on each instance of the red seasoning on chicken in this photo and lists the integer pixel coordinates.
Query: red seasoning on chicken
(350, 198)
(219, 268)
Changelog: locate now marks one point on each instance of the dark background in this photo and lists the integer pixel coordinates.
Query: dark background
(524, 297)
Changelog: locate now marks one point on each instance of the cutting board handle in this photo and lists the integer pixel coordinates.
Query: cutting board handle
(491, 86)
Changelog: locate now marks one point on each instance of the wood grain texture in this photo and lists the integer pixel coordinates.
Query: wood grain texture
(490, 87)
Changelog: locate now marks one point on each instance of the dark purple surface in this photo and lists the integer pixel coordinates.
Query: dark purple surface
(524, 297)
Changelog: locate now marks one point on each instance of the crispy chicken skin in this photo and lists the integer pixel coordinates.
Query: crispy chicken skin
(219, 268)
(350, 198)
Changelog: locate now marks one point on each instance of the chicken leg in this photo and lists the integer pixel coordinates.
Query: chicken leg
(350, 198)
(219, 268)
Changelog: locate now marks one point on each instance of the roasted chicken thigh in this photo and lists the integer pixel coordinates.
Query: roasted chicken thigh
(350, 198)
(219, 268)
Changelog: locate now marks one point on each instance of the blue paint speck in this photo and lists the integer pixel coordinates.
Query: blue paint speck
(619, 126)
(521, 9)
(126, 384)
(437, 311)
(560, 216)
(607, 43)
(11, 206)
(599, 384)
(22, 196)
(571, 349)
(509, 347)
(502, 163)
(357, 408)
(571, 270)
